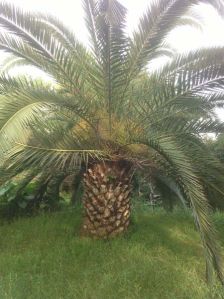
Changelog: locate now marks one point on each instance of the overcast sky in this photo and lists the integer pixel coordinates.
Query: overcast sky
(71, 12)
(183, 39)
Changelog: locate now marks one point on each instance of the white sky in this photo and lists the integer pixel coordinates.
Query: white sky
(182, 39)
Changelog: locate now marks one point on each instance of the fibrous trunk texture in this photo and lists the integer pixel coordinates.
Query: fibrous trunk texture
(107, 199)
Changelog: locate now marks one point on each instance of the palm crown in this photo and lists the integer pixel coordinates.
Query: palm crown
(102, 106)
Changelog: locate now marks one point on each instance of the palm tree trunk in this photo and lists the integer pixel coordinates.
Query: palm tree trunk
(51, 196)
(76, 182)
(107, 187)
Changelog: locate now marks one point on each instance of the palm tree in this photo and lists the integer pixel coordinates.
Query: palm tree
(104, 111)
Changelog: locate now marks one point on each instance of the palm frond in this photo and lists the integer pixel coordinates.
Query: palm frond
(24, 100)
(171, 185)
(47, 158)
(193, 190)
(60, 32)
(199, 58)
(160, 18)
(12, 62)
(156, 23)
(43, 42)
(106, 20)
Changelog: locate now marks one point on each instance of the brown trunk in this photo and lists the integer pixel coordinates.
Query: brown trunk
(107, 198)
(76, 184)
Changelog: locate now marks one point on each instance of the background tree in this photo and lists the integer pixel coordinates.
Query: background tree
(217, 146)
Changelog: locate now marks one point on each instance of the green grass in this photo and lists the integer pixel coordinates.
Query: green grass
(160, 258)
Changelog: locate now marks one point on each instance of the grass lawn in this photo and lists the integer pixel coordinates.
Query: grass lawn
(160, 258)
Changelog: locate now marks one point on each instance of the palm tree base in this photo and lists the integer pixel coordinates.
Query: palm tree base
(107, 199)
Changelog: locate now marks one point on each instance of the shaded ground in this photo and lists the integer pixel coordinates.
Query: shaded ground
(160, 258)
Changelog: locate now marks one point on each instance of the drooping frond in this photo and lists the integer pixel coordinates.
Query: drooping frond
(192, 188)
(201, 57)
(59, 31)
(170, 185)
(11, 62)
(160, 18)
(42, 42)
(46, 158)
(23, 100)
